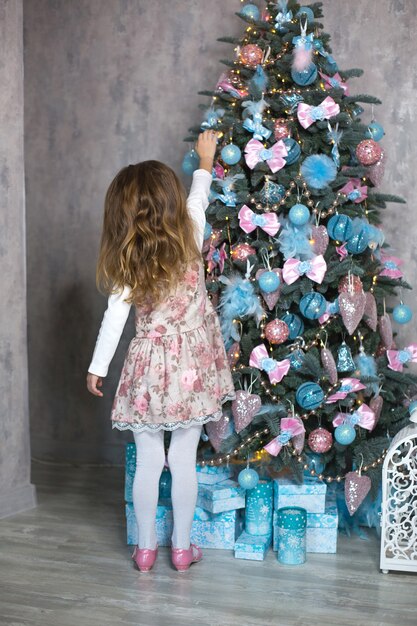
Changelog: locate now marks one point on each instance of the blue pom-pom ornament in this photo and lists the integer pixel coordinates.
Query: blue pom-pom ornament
(340, 227)
(313, 305)
(345, 434)
(295, 325)
(305, 77)
(248, 478)
(375, 131)
(402, 314)
(318, 170)
(299, 215)
(207, 231)
(190, 162)
(250, 11)
(268, 282)
(231, 154)
(293, 150)
(309, 396)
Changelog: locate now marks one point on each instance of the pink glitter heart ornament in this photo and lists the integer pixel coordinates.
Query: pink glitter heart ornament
(370, 314)
(320, 239)
(356, 489)
(376, 405)
(244, 408)
(218, 431)
(271, 298)
(385, 330)
(352, 307)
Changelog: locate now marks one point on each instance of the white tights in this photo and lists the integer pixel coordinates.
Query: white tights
(150, 459)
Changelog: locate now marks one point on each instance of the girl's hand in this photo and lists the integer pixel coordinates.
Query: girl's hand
(206, 148)
(93, 382)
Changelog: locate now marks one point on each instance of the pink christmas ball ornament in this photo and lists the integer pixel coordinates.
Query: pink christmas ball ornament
(368, 152)
(320, 440)
(241, 251)
(277, 332)
(281, 129)
(251, 55)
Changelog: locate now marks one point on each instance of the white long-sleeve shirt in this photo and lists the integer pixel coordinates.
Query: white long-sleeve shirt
(117, 311)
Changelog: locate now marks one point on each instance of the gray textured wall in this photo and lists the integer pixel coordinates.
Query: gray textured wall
(110, 82)
(16, 492)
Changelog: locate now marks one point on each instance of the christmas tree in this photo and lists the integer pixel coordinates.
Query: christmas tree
(297, 265)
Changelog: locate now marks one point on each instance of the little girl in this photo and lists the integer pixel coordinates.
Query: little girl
(175, 375)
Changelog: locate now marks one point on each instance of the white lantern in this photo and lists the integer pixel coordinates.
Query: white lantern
(399, 503)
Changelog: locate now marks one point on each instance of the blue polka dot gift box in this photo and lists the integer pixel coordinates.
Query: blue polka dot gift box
(252, 547)
(217, 531)
(321, 531)
(310, 495)
(225, 496)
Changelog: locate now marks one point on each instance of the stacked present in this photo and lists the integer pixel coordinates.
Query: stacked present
(217, 518)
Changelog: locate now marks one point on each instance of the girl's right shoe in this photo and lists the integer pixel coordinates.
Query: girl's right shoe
(144, 558)
(182, 559)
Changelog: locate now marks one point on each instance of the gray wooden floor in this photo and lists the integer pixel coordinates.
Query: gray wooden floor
(65, 563)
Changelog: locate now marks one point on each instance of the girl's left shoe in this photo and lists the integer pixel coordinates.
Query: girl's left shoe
(144, 558)
(182, 559)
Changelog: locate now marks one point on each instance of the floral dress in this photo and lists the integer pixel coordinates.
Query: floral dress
(176, 371)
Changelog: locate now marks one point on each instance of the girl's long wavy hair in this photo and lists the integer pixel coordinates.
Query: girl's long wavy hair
(148, 235)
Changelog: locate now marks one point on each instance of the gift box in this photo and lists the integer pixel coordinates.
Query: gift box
(309, 495)
(321, 535)
(130, 468)
(258, 513)
(220, 497)
(209, 530)
(212, 474)
(252, 547)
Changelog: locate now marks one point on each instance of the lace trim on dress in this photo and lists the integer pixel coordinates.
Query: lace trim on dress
(202, 419)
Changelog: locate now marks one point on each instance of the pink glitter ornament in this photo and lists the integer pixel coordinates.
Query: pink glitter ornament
(271, 298)
(376, 405)
(319, 239)
(277, 332)
(350, 283)
(376, 172)
(233, 354)
(329, 365)
(218, 431)
(244, 408)
(370, 314)
(356, 489)
(320, 440)
(368, 152)
(241, 251)
(352, 308)
(385, 330)
(251, 55)
(281, 130)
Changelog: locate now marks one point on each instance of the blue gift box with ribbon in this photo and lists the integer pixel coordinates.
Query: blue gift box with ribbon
(220, 497)
(252, 547)
(210, 475)
(310, 495)
(209, 530)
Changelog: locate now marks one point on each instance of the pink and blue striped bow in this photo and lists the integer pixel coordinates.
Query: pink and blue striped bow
(255, 152)
(276, 370)
(248, 221)
(347, 385)
(307, 114)
(364, 417)
(315, 269)
(397, 358)
(291, 428)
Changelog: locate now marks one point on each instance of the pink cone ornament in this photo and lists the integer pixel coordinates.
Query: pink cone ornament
(320, 440)
(370, 314)
(351, 283)
(376, 405)
(271, 298)
(319, 239)
(356, 489)
(217, 432)
(281, 130)
(329, 365)
(251, 55)
(277, 332)
(376, 172)
(244, 408)
(385, 330)
(241, 251)
(368, 152)
(352, 307)
(233, 354)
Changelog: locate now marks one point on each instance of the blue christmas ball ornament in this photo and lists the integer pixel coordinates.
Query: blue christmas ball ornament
(293, 150)
(299, 215)
(295, 325)
(190, 162)
(231, 154)
(358, 242)
(207, 230)
(305, 77)
(248, 478)
(345, 434)
(313, 305)
(375, 131)
(268, 282)
(309, 396)
(402, 314)
(317, 44)
(306, 12)
(271, 193)
(250, 11)
(412, 407)
(340, 227)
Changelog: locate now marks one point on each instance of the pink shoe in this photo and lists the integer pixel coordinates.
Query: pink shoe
(182, 559)
(144, 558)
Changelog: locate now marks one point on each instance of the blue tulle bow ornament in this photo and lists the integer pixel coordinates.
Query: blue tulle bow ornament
(237, 300)
(318, 170)
(283, 16)
(259, 81)
(255, 125)
(294, 241)
(228, 197)
(211, 118)
(334, 136)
